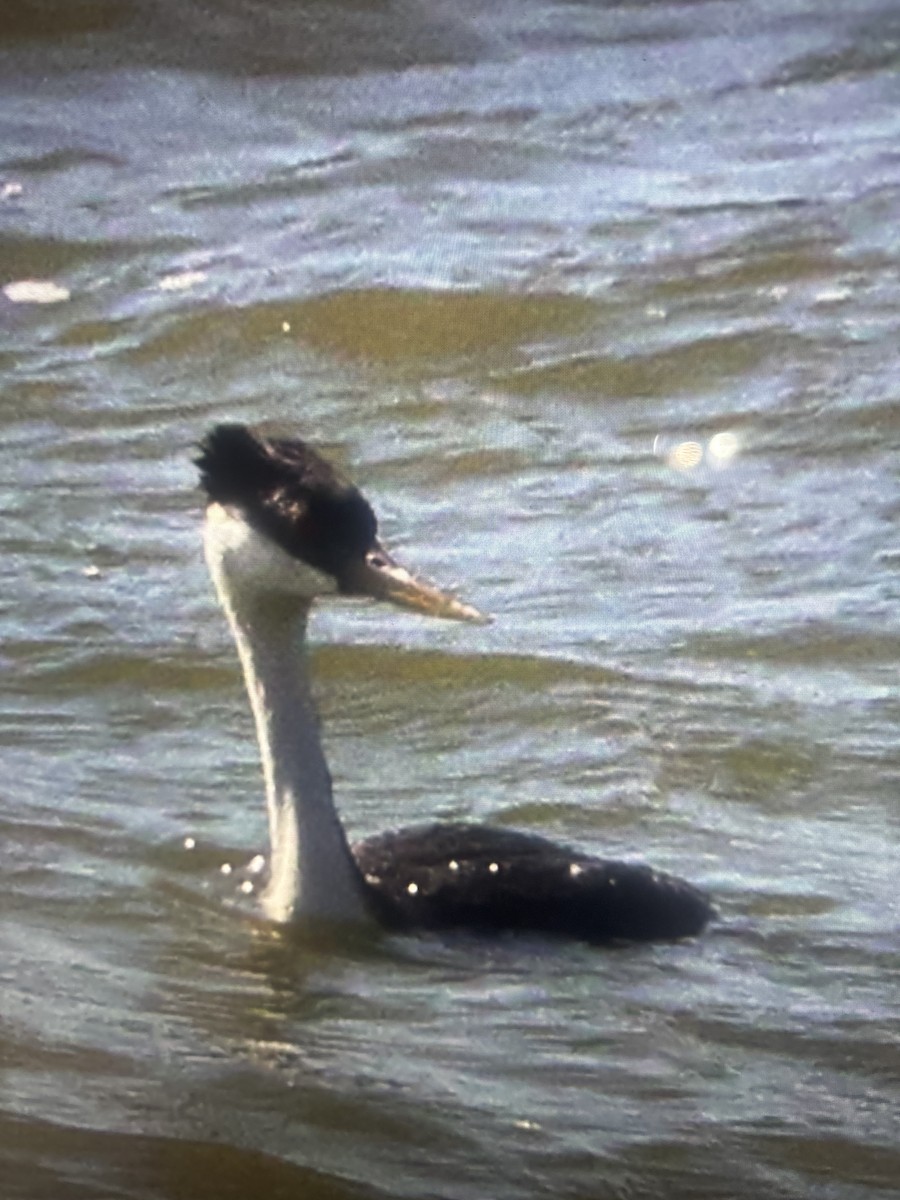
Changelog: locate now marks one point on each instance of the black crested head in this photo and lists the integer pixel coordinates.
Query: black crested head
(288, 492)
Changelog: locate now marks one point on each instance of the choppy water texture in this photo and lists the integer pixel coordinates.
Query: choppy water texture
(601, 304)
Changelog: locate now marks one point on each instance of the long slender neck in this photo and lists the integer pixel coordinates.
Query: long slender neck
(312, 872)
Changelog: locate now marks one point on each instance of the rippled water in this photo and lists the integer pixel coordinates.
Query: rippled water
(599, 303)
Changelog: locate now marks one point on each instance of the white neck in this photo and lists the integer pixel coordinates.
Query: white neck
(312, 872)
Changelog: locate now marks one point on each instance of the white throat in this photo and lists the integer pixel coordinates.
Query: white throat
(312, 871)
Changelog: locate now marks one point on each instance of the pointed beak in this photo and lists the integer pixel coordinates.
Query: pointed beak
(379, 576)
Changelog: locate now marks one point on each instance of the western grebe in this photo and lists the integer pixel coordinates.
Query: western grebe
(282, 529)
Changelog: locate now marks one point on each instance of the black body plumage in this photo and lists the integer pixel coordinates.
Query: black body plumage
(481, 878)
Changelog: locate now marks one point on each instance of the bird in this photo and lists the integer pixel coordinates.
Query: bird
(283, 529)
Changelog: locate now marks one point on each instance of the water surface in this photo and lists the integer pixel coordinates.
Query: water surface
(599, 305)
